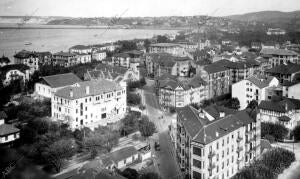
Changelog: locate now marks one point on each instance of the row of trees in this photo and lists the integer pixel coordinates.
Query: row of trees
(270, 165)
(273, 131)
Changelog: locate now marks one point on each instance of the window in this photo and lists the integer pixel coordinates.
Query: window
(217, 145)
(232, 158)
(197, 163)
(227, 140)
(103, 116)
(197, 151)
(197, 175)
(125, 161)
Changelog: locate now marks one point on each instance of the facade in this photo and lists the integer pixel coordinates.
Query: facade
(83, 58)
(280, 56)
(204, 43)
(81, 49)
(90, 103)
(64, 59)
(163, 63)
(254, 88)
(13, 72)
(181, 92)
(217, 78)
(27, 58)
(170, 48)
(284, 72)
(121, 59)
(276, 31)
(50, 84)
(292, 91)
(45, 58)
(285, 112)
(215, 147)
(98, 55)
(8, 133)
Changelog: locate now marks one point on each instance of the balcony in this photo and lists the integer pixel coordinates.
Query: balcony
(239, 139)
(211, 154)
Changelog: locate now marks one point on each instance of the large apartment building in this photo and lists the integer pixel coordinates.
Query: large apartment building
(210, 147)
(176, 92)
(89, 103)
(64, 59)
(280, 56)
(285, 72)
(27, 58)
(255, 88)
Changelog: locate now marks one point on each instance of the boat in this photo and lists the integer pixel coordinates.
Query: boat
(28, 43)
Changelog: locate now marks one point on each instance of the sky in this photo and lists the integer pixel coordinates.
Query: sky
(135, 8)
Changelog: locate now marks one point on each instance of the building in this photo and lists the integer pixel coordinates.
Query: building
(106, 47)
(280, 56)
(284, 72)
(254, 88)
(27, 58)
(50, 84)
(90, 103)
(285, 112)
(13, 72)
(291, 90)
(114, 73)
(215, 147)
(175, 92)
(204, 43)
(276, 31)
(121, 59)
(120, 158)
(256, 45)
(8, 133)
(83, 58)
(45, 58)
(64, 59)
(170, 48)
(217, 78)
(98, 55)
(81, 49)
(4, 61)
(158, 64)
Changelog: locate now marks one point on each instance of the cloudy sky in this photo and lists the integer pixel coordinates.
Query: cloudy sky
(108, 8)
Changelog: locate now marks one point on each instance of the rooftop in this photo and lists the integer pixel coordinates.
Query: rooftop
(6, 68)
(260, 82)
(214, 68)
(285, 69)
(80, 47)
(96, 87)
(166, 59)
(24, 54)
(165, 45)
(61, 80)
(270, 51)
(120, 155)
(6, 129)
(64, 54)
(186, 84)
(283, 106)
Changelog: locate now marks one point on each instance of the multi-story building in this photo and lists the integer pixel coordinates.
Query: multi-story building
(27, 58)
(284, 72)
(254, 88)
(65, 59)
(204, 43)
(215, 147)
(170, 48)
(158, 64)
(13, 72)
(121, 59)
(50, 84)
(81, 49)
(175, 92)
(89, 103)
(8, 133)
(98, 55)
(45, 58)
(285, 112)
(217, 78)
(83, 58)
(280, 56)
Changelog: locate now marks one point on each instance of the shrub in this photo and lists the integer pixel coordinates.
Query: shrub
(277, 130)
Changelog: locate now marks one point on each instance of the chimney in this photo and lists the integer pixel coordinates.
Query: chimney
(2, 121)
(87, 89)
(71, 93)
(222, 114)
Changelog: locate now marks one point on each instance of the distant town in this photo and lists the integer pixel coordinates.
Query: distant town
(218, 99)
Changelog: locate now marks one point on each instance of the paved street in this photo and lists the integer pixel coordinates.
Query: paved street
(166, 159)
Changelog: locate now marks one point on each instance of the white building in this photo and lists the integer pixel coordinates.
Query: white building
(253, 88)
(13, 72)
(280, 56)
(83, 58)
(8, 133)
(211, 144)
(285, 112)
(27, 58)
(81, 49)
(98, 55)
(276, 31)
(50, 84)
(292, 91)
(90, 103)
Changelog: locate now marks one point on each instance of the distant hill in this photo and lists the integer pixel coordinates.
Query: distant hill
(268, 17)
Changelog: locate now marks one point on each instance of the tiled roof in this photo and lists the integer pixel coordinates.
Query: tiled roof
(134, 52)
(43, 54)
(65, 54)
(6, 129)
(186, 84)
(214, 110)
(167, 60)
(25, 54)
(165, 45)
(80, 47)
(260, 82)
(270, 51)
(6, 68)
(96, 87)
(204, 131)
(285, 69)
(121, 55)
(214, 68)
(120, 154)
(4, 59)
(61, 80)
(282, 106)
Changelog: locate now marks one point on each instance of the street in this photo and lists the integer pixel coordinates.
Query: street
(166, 158)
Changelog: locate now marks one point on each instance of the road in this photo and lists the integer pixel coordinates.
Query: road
(166, 158)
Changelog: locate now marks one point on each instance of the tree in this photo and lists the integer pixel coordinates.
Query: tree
(146, 127)
(129, 124)
(127, 45)
(296, 133)
(253, 104)
(133, 99)
(162, 39)
(150, 175)
(58, 152)
(233, 103)
(278, 131)
(130, 173)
